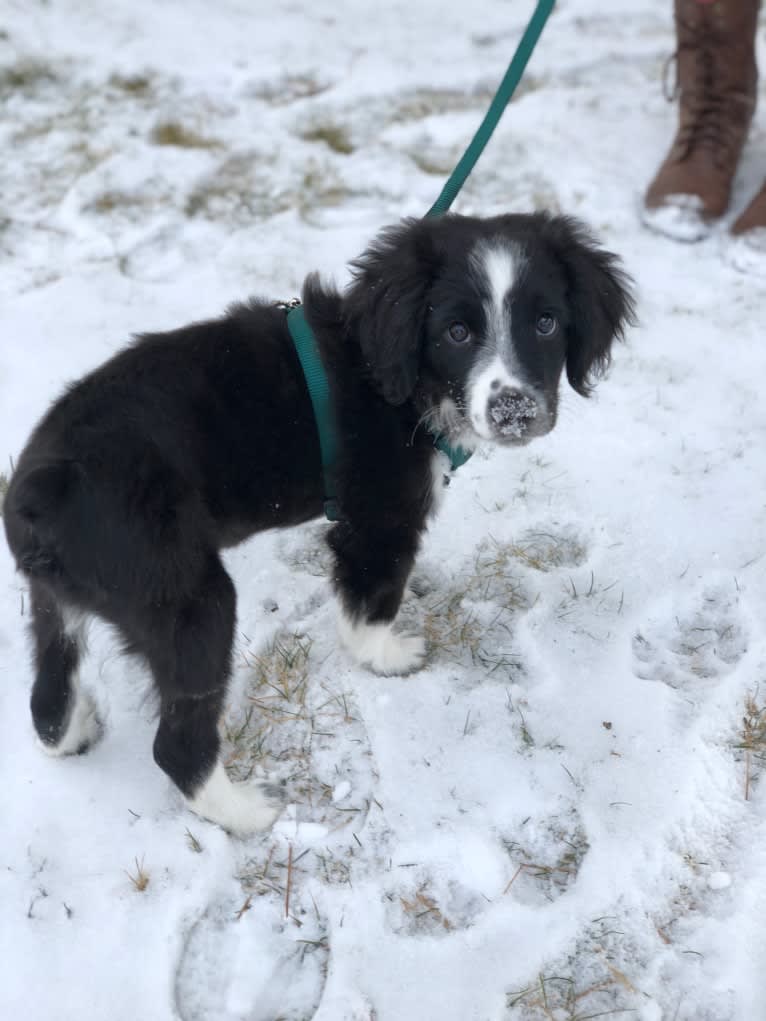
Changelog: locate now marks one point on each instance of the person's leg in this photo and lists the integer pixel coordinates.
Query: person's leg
(716, 89)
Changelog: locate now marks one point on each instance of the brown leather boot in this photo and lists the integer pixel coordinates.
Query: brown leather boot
(716, 80)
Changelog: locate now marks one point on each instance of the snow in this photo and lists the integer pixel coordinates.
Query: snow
(550, 819)
(680, 217)
(747, 252)
(512, 413)
(719, 880)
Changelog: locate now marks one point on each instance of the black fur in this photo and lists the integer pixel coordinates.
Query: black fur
(189, 441)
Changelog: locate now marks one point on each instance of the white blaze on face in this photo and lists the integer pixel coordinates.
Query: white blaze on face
(499, 267)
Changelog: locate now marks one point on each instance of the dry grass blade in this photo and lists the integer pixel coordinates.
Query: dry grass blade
(289, 885)
(248, 903)
(139, 878)
(193, 843)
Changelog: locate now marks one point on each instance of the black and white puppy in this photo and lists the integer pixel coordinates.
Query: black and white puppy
(189, 441)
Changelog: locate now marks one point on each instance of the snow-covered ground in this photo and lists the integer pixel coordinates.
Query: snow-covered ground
(556, 819)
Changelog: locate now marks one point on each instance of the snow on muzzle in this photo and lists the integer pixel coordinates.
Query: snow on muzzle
(514, 416)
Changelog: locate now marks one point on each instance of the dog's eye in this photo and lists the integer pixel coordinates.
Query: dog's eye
(546, 324)
(458, 333)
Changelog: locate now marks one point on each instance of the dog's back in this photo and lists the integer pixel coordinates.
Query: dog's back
(203, 422)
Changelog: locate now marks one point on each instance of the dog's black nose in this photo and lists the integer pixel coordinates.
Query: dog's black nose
(511, 412)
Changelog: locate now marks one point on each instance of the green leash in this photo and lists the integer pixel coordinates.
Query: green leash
(492, 117)
(302, 334)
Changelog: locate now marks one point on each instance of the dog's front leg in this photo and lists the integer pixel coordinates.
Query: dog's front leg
(372, 565)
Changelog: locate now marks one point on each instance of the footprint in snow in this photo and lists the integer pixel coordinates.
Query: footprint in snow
(545, 854)
(252, 964)
(694, 643)
(430, 905)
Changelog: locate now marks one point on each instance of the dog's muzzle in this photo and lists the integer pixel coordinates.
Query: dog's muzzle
(513, 416)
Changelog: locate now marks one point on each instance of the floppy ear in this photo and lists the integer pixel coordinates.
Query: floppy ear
(387, 305)
(602, 302)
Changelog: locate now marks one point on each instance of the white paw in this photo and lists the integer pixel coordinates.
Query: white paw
(400, 654)
(238, 808)
(83, 728)
(377, 646)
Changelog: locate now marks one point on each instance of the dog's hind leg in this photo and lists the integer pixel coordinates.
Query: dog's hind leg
(192, 672)
(64, 715)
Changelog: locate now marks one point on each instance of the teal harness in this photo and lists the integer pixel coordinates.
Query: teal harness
(302, 335)
(319, 391)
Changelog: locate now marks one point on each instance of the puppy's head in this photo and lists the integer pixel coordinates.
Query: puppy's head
(474, 320)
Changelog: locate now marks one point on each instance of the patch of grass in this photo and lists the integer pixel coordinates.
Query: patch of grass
(527, 740)
(455, 630)
(321, 188)
(25, 76)
(421, 103)
(592, 980)
(281, 674)
(600, 598)
(335, 866)
(139, 878)
(492, 577)
(134, 84)
(589, 982)
(450, 628)
(541, 551)
(267, 875)
(114, 201)
(561, 998)
(334, 136)
(276, 694)
(753, 739)
(175, 134)
(246, 737)
(238, 189)
(463, 622)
